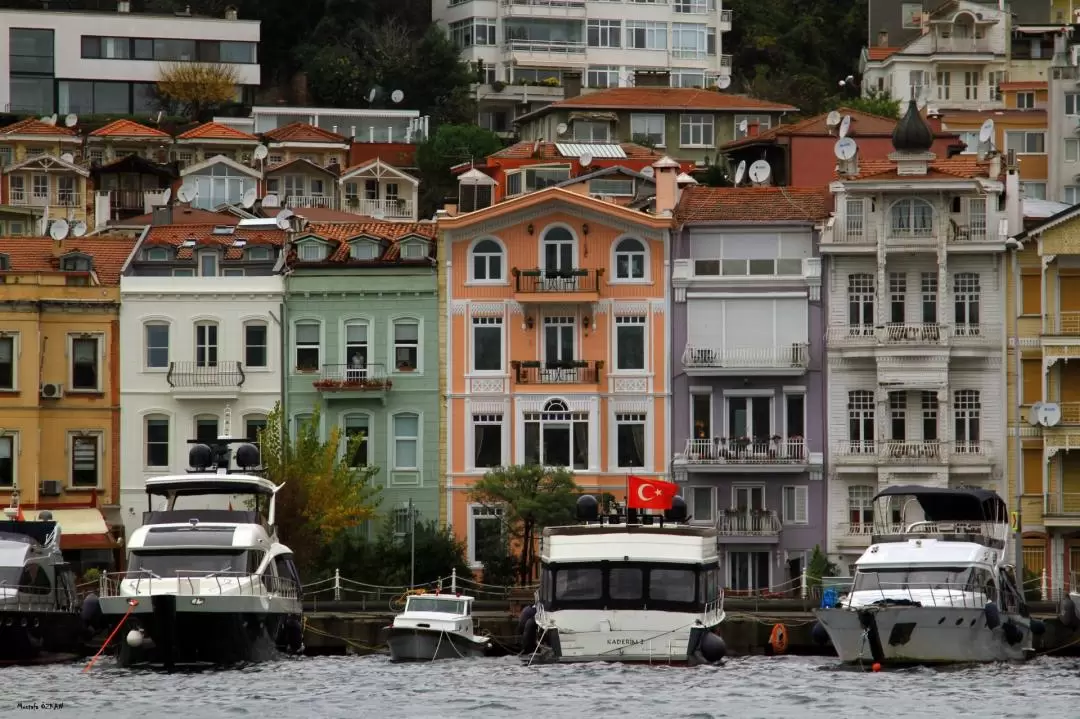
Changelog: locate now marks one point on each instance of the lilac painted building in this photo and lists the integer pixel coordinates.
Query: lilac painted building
(748, 414)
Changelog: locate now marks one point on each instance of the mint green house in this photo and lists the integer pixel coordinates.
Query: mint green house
(361, 341)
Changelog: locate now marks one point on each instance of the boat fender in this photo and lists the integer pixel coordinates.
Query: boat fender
(993, 616)
(778, 639)
(1038, 627)
(526, 614)
(90, 612)
(528, 636)
(819, 634)
(712, 648)
(1012, 632)
(1068, 613)
(873, 638)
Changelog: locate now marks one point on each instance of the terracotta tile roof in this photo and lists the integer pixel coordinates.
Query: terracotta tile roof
(324, 214)
(216, 131)
(35, 254)
(1029, 85)
(203, 235)
(391, 232)
(185, 215)
(863, 124)
(295, 160)
(880, 53)
(128, 128)
(548, 151)
(668, 98)
(752, 204)
(34, 126)
(303, 132)
(966, 167)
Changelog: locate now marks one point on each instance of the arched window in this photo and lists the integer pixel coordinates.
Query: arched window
(912, 217)
(630, 259)
(487, 261)
(558, 250)
(557, 437)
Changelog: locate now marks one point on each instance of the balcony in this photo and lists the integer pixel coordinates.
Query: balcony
(391, 209)
(719, 454)
(913, 452)
(725, 21)
(564, 372)
(849, 236)
(1062, 510)
(326, 202)
(556, 286)
(544, 51)
(544, 8)
(342, 382)
(971, 452)
(965, 45)
(960, 96)
(893, 451)
(786, 360)
(196, 380)
(134, 200)
(761, 524)
(857, 534)
(22, 198)
(914, 334)
(860, 237)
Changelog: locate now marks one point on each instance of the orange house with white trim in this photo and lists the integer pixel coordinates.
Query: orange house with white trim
(555, 342)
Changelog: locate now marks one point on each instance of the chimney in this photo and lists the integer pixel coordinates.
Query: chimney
(162, 216)
(230, 13)
(666, 177)
(123, 6)
(883, 38)
(1014, 204)
(571, 84)
(752, 129)
(995, 167)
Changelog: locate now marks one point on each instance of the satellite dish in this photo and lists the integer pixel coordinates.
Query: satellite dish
(186, 193)
(166, 196)
(249, 197)
(270, 200)
(561, 128)
(743, 126)
(282, 219)
(379, 214)
(45, 119)
(71, 120)
(67, 157)
(58, 230)
(648, 172)
(1049, 414)
(740, 173)
(585, 159)
(833, 119)
(1033, 414)
(845, 126)
(759, 172)
(79, 229)
(261, 152)
(845, 148)
(723, 82)
(397, 96)
(986, 132)
(53, 118)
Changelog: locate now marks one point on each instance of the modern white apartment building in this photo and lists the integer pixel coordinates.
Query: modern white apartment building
(524, 50)
(107, 62)
(915, 340)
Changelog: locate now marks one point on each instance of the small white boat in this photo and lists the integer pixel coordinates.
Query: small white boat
(934, 587)
(435, 626)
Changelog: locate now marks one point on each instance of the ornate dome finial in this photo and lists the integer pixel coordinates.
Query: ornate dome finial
(912, 134)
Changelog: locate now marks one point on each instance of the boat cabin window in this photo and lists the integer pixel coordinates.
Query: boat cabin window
(709, 586)
(189, 562)
(431, 604)
(965, 579)
(628, 585)
(579, 584)
(286, 570)
(672, 585)
(34, 579)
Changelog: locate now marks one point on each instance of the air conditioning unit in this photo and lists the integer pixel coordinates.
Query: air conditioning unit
(51, 390)
(51, 488)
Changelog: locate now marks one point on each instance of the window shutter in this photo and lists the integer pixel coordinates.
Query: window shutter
(801, 502)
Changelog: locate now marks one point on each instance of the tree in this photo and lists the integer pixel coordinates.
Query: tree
(197, 87)
(448, 146)
(875, 103)
(530, 497)
(819, 567)
(323, 496)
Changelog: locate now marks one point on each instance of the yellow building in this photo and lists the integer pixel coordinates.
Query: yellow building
(1046, 327)
(59, 387)
(40, 177)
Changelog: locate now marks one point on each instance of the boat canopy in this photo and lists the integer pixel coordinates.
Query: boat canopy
(39, 532)
(941, 504)
(186, 485)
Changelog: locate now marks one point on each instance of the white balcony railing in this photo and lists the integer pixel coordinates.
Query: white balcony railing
(304, 201)
(913, 333)
(862, 233)
(392, 208)
(51, 199)
(544, 47)
(721, 450)
(850, 234)
(725, 20)
(795, 355)
(556, 8)
(965, 44)
(916, 451)
(748, 523)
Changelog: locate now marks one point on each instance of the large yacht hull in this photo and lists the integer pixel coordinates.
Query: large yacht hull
(425, 645)
(168, 630)
(924, 635)
(29, 636)
(619, 636)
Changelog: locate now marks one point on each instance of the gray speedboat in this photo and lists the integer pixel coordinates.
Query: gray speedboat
(435, 626)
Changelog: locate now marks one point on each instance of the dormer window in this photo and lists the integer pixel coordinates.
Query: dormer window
(208, 264)
(312, 251)
(364, 250)
(414, 250)
(77, 263)
(156, 254)
(256, 254)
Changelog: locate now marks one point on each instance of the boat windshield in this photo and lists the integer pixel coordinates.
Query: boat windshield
(961, 579)
(431, 604)
(633, 585)
(189, 563)
(10, 576)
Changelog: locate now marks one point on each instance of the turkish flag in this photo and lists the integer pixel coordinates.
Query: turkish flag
(19, 516)
(650, 493)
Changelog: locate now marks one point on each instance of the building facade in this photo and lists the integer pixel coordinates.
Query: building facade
(40, 177)
(60, 389)
(556, 343)
(200, 317)
(363, 344)
(101, 63)
(915, 378)
(748, 422)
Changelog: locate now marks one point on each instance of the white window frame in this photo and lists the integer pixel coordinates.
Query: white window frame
(691, 494)
(211, 255)
(318, 255)
(608, 73)
(608, 33)
(405, 320)
(147, 419)
(860, 498)
(654, 35)
(489, 258)
(487, 322)
(99, 439)
(549, 414)
(1037, 190)
(196, 344)
(619, 419)
(591, 131)
(643, 253)
(1072, 149)
(370, 418)
(100, 338)
(247, 419)
(697, 123)
(364, 250)
(14, 337)
(297, 347)
(1025, 100)
(13, 436)
(266, 348)
(764, 123)
(487, 419)
(1070, 194)
(861, 410)
(802, 504)
(347, 346)
(1011, 137)
(485, 514)
(418, 440)
(631, 321)
(1072, 104)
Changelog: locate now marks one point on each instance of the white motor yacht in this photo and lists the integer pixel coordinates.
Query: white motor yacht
(935, 585)
(626, 587)
(435, 626)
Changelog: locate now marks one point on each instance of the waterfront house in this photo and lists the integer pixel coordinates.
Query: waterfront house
(200, 321)
(212, 139)
(378, 190)
(39, 176)
(217, 181)
(914, 258)
(748, 423)
(59, 387)
(556, 348)
(363, 343)
(128, 166)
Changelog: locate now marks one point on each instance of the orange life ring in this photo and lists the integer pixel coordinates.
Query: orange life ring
(778, 640)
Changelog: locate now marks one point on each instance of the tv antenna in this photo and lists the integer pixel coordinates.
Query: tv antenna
(59, 229)
(845, 149)
(67, 157)
(282, 219)
(723, 82)
(270, 200)
(845, 126)
(397, 96)
(71, 120)
(585, 159)
(759, 172)
(740, 173)
(250, 195)
(79, 229)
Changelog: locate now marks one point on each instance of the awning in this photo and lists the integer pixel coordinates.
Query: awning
(81, 528)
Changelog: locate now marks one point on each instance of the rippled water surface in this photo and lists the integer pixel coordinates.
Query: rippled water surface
(356, 687)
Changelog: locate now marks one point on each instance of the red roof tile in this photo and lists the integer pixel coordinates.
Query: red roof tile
(216, 131)
(548, 151)
(392, 232)
(863, 124)
(752, 204)
(203, 235)
(303, 132)
(668, 98)
(185, 215)
(128, 129)
(966, 167)
(1029, 85)
(36, 254)
(34, 126)
(881, 53)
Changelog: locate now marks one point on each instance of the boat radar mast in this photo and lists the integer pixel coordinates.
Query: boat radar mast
(216, 456)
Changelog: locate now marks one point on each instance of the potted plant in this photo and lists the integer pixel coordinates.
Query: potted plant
(498, 86)
(405, 366)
